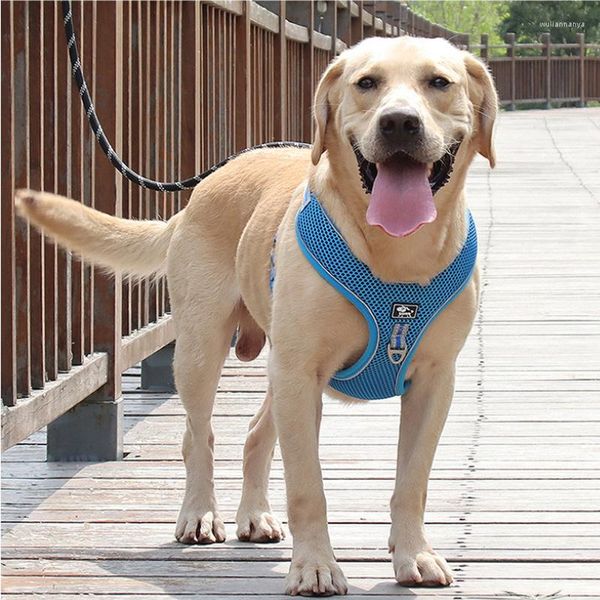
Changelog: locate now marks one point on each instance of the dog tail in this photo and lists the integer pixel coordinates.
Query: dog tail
(133, 247)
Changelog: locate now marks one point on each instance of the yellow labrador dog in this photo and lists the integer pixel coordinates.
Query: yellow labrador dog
(391, 115)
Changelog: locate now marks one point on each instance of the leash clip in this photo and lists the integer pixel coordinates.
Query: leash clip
(397, 348)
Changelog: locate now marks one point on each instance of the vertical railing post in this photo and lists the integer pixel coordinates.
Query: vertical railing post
(484, 53)
(403, 20)
(581, 42)
(9, 323)
(334, 28)
(36, 177)
(50, 83)
(510, 52)
(280, 76)
(547, 52)
(243, 105)
(357, 31)
(20, 145)
(328, 24)
(308, 78)
(369, 7)
(397, 9)
(93, 430)
(344, 23)
(467, 41)
(381, 10)
(63, 178)
(189, 126)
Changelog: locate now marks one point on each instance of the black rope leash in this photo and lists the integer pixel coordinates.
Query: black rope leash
(159, 186)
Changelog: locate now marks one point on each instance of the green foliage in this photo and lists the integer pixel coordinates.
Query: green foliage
(528, 19)
(466, 16)
(563, 20)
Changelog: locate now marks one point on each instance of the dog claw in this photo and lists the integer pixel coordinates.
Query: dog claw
(316, 579)
(258, 526)
(426, 568)
(207, 528)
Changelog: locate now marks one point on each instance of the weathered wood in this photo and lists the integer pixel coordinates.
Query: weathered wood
(145, 341)
(263, 586)
(8, 384)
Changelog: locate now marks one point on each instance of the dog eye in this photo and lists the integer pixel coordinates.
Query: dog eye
(366, 83)
(440, 83)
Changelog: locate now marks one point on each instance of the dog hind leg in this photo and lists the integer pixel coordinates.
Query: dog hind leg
(204, 303)
(255, 521)
(198, 362)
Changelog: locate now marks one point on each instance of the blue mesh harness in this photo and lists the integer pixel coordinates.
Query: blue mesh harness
(397, 314)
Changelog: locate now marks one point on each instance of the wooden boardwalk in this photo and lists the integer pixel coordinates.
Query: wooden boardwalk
(514, 498)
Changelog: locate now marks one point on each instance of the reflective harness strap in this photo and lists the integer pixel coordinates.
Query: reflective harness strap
(397, 314)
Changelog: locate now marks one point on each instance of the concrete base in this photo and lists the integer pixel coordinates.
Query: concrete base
(157, 370)
(91, 431)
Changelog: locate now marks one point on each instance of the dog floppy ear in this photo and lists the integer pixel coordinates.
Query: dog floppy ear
(322, 108)
(483, 95)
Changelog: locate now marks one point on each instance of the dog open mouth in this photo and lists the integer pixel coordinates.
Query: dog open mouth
(402, 190)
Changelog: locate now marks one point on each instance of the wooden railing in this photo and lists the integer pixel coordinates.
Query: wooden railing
(543, 73)
(177, 86)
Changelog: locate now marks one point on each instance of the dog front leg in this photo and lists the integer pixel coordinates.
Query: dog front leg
(424, 410)
(297, 411)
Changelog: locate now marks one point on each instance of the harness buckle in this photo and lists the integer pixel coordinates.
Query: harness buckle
(397, 349)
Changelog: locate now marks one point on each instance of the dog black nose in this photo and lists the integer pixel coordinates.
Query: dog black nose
(400, 125)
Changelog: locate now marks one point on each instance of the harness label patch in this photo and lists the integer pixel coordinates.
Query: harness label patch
(404, 311)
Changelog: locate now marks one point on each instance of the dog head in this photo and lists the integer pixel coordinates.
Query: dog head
(404, 106)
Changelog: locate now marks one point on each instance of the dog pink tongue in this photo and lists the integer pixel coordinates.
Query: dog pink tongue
(401, 199)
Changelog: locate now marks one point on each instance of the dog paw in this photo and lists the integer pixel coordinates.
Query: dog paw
(258, 526)
(199, 528)
(421, 568)
(316, 578)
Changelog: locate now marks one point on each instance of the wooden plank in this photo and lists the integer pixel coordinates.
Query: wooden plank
(260, 552)
(49, 183)
(243, 81)
(280, 77)
(20, 87)
(128, 282)
(168, 514)
(89, 172)
(108, 191)
(255, 569)
(77, 191)
(268, 586)
(63, 91)
(189, 127)
(154, 132)
(36, 178)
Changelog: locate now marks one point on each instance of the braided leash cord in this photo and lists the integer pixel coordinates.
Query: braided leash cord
(159, 186)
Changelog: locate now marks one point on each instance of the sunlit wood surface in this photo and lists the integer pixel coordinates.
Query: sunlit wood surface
(514, 497)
